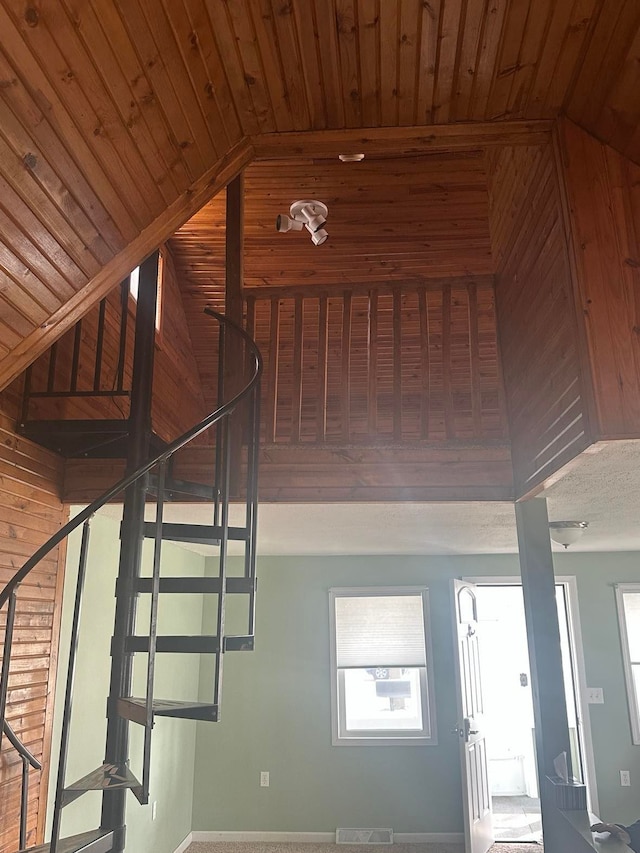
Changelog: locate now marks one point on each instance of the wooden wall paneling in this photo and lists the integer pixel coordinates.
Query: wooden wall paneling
(30, 512)
(450, 31)
(176, 32)
(34, 50)
(178, 401)
(562, 54)
(152, 40)
(604, 212)
(282, 18)
(104, 38)
(604, 59)
(537, 322)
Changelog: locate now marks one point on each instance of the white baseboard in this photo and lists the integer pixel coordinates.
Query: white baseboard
(429, 837)
(185, 844)
(323, 837)
(296, 837)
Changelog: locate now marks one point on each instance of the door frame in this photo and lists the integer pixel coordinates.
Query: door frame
(570, 584)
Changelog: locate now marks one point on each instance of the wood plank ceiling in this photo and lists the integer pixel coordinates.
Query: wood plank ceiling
(120, 118)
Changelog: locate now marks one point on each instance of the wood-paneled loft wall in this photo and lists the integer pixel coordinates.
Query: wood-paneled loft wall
(537, 318)
(603, 192)
(30, 512)
(389, 393)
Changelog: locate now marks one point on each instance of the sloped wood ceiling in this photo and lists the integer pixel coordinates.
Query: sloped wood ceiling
(120, 118)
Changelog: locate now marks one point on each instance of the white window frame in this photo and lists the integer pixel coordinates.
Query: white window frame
(382, 737)
(633, 699)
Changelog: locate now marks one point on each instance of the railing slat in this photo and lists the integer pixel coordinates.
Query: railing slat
(446, 362)
(345, 396)
(274, 359)
(397, 364)
(424, 362)
(51, 374)
(75, 361)
(97, 373)
(298, 344)
(323, 348)
(122, 343)
(372, 366)
(474, 349)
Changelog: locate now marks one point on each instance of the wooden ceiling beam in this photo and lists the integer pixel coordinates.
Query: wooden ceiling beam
(188, 203)
(394, 141)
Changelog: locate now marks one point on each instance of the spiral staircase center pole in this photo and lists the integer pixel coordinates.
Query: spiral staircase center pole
(132, 535)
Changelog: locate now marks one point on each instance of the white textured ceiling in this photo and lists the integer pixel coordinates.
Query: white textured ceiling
(601, 487)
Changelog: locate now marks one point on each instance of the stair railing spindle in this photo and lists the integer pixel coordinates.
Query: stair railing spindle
(68, 696)
(222, 346)
(153, 629)
(252, 502)
(224, 540)
(24, 802)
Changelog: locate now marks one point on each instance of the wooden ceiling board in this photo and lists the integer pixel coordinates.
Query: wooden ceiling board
(401, 219)
(115, 114)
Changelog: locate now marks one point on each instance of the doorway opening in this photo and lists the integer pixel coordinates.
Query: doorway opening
(508, 706)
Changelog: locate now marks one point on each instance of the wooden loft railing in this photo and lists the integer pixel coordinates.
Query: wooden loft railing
(384, 393)
(385, 364)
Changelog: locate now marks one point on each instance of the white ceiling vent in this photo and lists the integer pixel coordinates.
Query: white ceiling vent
(364, 836)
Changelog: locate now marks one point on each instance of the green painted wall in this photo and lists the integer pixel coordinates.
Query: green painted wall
(276, 712)
(611, 732)
(177, 677)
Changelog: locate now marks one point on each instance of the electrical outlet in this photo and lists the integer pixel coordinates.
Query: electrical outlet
(625, 778)
(264, 778)
(595, 696)
(154, 809)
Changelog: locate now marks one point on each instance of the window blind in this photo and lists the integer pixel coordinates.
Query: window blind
(379, 630)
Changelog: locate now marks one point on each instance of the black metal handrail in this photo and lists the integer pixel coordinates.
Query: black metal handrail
(127, 481)
(28, 759)
(8, 593)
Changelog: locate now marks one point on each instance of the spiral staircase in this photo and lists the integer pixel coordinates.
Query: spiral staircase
(150, 481)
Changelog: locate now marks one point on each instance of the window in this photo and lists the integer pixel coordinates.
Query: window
(628, 598)
(381, 672)
(134, 284)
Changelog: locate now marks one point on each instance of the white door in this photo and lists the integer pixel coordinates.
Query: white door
(476, 797)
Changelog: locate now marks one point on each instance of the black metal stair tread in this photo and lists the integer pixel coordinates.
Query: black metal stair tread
(96, 841)
(183, 644)
(201, 534)
(183, 487)
(134, 709)
(183, 585)
(108, 777)
(86, 438)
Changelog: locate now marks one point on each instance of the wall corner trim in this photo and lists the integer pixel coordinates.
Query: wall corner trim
(320, 837)
(181, 848)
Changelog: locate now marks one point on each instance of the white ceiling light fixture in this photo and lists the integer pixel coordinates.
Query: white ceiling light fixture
(567, 532)
(309, 214)
(351, 158)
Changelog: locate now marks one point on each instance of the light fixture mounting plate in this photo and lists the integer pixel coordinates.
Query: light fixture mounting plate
(295, 211)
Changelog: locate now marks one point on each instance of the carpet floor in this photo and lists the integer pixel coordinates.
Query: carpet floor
(276, 847)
